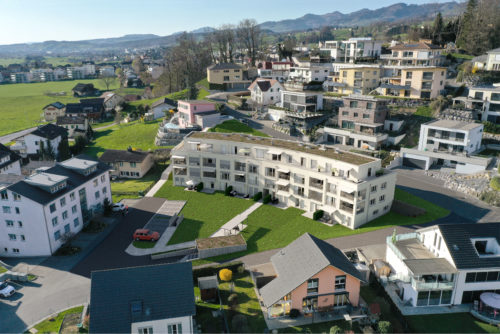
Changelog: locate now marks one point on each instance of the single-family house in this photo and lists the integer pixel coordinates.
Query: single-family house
(129, 163)
(30, 144)
(311, 276)
(150, 299)
(197, 112)
(423, 53)
(82, 90)
(265, 91)
(10, 161)
(159, 107)
(112, 100)
(91, 109)
(227, 76)
(76, 126)
(493, 60)
(53, 110)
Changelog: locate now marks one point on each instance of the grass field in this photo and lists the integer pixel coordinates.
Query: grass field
(53, 326)
(124, 188)
(449, 323)
(120, 137)
(236, 126)
(21, 104)
(203, 213)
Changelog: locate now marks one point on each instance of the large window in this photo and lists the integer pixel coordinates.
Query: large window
(483, 276)
(340, 282)
(434, 297)
(312, 285)
(146, 330)
(175, 329)
(309, 304)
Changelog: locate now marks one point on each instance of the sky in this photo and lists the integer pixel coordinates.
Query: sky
(24, 21)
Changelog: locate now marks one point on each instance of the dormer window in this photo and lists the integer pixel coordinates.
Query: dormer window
(486, 247)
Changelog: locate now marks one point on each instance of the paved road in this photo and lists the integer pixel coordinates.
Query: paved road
(11, 136)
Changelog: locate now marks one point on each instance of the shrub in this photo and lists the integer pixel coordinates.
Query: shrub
(107, 207)
(384, 327)
(232, 301)
(266, 199)
(225, 274)
(495, 183)
(335, 329)
(257, 196)
(318, 214)
(199, 186)
(239, 323)
(379, 172)
(241, 269)
(294, 313)
(228, 190)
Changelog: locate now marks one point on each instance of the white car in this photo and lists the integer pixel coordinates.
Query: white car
(6, 290)
(117, 207)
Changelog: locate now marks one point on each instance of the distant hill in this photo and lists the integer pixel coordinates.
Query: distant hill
(364, 17)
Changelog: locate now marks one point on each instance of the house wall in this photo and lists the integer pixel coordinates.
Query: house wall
(51, 113)
(272, 96)
(76, 126)
(471, 142)
(461, 286)
(207, 121)
(12, 168)
(493, 62)
(438, 81)
(161, 326)
(217, 76)
(159, 111)
(369, 79)
(188, 111)
(32, 143)
(326, 284)
(120, 168)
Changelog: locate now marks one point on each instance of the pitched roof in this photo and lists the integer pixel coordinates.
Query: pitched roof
(4, 151)
(69, 120)
(264, 84)
(123, 155)
(74, 181)
(156, 292)
(416, 46)
(299, 261)
(497, 50)
(57, 105)
(164, 100)
(462, 250)
(225, 66)
(50, 131)
(81, 87)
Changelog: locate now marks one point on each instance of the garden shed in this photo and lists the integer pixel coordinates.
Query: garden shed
(208, 286)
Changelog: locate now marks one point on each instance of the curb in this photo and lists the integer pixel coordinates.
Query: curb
(54, 314)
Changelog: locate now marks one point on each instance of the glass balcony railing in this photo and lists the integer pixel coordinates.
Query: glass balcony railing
(423, 285)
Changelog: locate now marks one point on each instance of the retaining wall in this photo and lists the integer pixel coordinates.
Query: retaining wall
(204, 253)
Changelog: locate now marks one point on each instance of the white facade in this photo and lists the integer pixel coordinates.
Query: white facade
(30, 227)
(450, 136)
(350, 188)
(10, 168)
(352, 49)
(159, 111)
(301, 101)
(493, 60)
(313, 72)
(30, 144)
(270, 96)
(106, 71)
(486, 100)
(180, 325)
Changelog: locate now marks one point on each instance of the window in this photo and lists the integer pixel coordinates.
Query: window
(133, 164)
(103, 178)
(4, 195)
(17, 210)
(355, 114)
(73, 209)
(373, 201)
(353, 104)
(345, 113)
(375, 212)
(54, 221)
(374, 189)
(146, 330)
(63, 201)
(20, 223)
(76, 222)
(23, 238)
(10, 223)
(57, 235)
(17, 197)
(174, 329)
(15, 250)
(97, 194)
(52, 207)
(340, 282)
(12, 237)
(6, 209)
(121, 163)
(312, 285)
(67, 229)
(96, 182)
(366, 115)
(65, 215)
(383, 185)
(104, 190)
(382, 198)
(408, 75)
(72, 196)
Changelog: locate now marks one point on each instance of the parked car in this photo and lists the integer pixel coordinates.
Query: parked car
(146, 235)
(117, 207)
(6, 290)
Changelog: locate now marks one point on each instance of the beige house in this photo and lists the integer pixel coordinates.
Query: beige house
(76, 126)
(350, 188)
(354, 80)
(422, 53)
(227, 76)
(53, 110)
(418, 82)
(128, 164)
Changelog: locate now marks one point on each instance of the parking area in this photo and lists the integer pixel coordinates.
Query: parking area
(161, 219)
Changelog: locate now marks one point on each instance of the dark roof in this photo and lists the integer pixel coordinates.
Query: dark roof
(58, 105)
(206, 113)
(159, 291)
(301, 260)
(123, 155)
(70, 120)
(462, 250)
(224, 66)
(95, 100)
(96, 104)
(4, 151)
(81, 87)
(164, 100)
(74, 181)
(264, 85)
(50, 131)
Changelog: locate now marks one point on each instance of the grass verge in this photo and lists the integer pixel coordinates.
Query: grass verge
(236, 126)
(48, 326)
(143, 244)
(135, 188)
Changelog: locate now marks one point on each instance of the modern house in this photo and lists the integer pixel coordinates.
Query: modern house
(20, 77)
(444, 265)
(83, 90)
(62, 199)
(10, 162)
(447, 143)
(422, 53)
(197, 113)
(92, 109)
(310, 275)
(277, 70)
(129, 163)
(53, 110)
(354, 79)
(352, 189)
(49, 134)
(121, 303)
(493, 60)
(227, 76)
(417, 82)
(360, 123)
(310, 72)
(76, 126)
(484, 101)
(159, 107)
(352, 50)
(265, 91)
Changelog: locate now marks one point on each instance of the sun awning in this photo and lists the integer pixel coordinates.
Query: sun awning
(178, 157)
(429, 266)
(244, 150)
(490, 299)
(206, 146)
(194, 142)
(274, 152)
(239, 174)
(180, 167)
(282, 182)
(283, 170)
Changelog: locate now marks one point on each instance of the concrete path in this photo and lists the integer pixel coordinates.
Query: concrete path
(105, 127)
(161, 182)
(236, 220)
(14, 135)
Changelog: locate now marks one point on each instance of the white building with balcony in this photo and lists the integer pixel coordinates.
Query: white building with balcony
(422, 53)
(309, 72)
(40, 211)
(485, 101)
(351, 189)
(353, 49)
(445, 265)
(47, 136)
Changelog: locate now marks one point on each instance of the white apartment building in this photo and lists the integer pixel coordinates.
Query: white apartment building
(30, 143)
(10, 162)
(485, 100)
(265, 91)
(352, 49)
(445, 265)
(106, 71)
(310, 72)
(40, 210)
(422, 53)
(301, 101)
(352, 189)
(493, 60)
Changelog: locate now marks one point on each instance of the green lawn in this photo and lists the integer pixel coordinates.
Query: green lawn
(2, 269)
(270, 227)
(131, 188)
(143, 244)
(120, 137)
(323, 327)
(449, 323)
(202, 93)
(204, 83)
(22, 104)
(53, 326)
(236, 126)
(203, 213)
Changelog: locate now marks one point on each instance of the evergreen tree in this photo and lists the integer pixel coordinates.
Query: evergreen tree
(49, 151)
(466, 24)
(63, 150)
(437, 29)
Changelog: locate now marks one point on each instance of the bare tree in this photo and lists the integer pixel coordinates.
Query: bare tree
(249, 35)
(225, 41)
(108, 80)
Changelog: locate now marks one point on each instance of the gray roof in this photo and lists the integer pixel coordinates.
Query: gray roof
(4, 151)
(464, 254)
(430, 266)
(110, 156)
(164, 101)
(161, 291)
(50, 131)
(497, 50)
(69, 120)
(299, 261)
(455, 125)
(57, 105)
(208, 282)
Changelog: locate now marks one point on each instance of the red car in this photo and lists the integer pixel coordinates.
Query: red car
(146, 235)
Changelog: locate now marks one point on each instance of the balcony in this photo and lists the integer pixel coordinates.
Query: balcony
(240, 166)
(349, 196)
(316, 183)
(178, 160)
(210, 174)
(209, 163)
(316, 196)
(283, 175)
(180, 171)
(431, 282)
(347, 207)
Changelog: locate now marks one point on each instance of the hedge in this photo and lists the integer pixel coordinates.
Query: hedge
(199, 186)
(257, 196)
(318, 214)
(266, 199)
(214, 270)
(228, 190)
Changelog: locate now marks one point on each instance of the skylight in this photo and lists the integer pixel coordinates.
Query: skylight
(486, 247)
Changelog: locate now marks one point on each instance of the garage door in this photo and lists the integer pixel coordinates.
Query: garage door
(414, 163)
